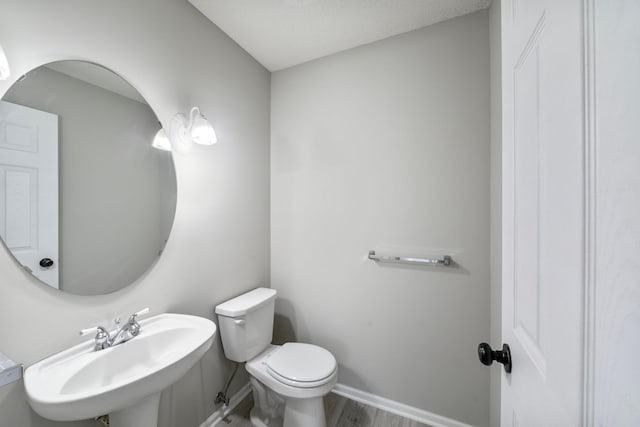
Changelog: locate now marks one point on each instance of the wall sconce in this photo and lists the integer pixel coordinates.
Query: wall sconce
(161, 141)
(197, 129)
(4, 66)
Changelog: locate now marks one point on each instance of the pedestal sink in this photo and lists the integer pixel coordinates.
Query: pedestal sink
(124, 381)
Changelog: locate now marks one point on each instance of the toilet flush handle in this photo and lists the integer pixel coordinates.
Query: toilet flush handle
(239, 322)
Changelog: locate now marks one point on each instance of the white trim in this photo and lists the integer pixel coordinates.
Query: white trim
(223, 411)
(397, 408)
(590, 213)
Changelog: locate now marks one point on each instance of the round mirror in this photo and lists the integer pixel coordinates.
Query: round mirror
(86, 203)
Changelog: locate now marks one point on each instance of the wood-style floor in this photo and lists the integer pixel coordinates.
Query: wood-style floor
(340, 412)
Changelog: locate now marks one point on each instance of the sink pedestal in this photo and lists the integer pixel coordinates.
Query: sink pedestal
(144, 413)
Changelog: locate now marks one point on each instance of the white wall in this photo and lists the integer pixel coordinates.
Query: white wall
(496, 203)
(219, 245)
(388, 144)
(112, 191)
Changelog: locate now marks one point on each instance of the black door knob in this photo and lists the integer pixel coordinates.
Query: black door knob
(46, 262)
(487, 355)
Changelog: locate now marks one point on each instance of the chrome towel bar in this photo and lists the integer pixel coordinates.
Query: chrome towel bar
(444, 261)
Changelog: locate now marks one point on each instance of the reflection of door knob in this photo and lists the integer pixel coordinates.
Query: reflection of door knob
(487, 355)
(46, 262)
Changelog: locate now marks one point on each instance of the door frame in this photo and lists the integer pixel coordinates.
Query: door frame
(590, 261)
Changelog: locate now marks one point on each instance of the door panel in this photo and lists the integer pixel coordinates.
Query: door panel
(543, 212)
(526, 281)
(29, 187)
(20, 186)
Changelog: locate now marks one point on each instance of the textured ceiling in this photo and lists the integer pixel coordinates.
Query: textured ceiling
(283, 33)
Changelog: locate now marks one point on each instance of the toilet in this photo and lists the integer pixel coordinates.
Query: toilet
(288, 381)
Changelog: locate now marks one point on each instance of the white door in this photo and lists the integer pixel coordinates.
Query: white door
(29, 188)
(543, 211)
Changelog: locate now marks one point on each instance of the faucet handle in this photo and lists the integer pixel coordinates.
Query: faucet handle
(102, 339)
(133, 325)
(95, 329)
(142, 312)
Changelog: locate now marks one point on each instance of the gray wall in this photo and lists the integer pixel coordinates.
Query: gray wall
(116, 206)
(219, 245)
(379, 146)
(496, 202)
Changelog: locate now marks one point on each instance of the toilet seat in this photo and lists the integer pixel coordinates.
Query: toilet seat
(301, 365)
(258, 369)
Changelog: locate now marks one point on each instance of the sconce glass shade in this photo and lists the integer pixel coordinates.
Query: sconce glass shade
(201, 130)
(161, 141)
(4, 65)
(198, 130)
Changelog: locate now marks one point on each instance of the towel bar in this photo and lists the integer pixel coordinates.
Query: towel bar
(444, 261)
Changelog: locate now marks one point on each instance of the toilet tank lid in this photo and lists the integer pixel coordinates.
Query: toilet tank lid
(241, 305)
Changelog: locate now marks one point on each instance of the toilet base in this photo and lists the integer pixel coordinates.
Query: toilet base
(297, 412)
(257, 420)
(268, 406)
(304, 412)
(272, 410)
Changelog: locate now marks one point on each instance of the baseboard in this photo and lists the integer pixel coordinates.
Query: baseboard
(217, 416)
(397, 408)
(373, 400)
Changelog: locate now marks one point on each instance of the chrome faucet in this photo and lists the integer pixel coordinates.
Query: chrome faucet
(126, 332)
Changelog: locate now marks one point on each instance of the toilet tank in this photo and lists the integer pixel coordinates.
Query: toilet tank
(246, 324)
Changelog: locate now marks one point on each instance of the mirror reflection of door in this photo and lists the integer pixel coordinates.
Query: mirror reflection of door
(116, 194)
(29, 188)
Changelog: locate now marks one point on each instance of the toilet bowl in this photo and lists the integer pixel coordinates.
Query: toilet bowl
(288, 381)
(288, 384)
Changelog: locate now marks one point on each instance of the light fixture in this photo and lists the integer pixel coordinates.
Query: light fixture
(4, 66)
(161, 141)
(197, 129)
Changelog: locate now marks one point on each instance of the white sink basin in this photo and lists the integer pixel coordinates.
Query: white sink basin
(124, 381)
